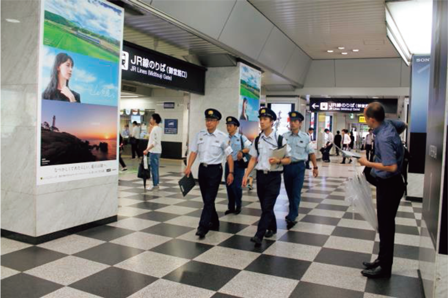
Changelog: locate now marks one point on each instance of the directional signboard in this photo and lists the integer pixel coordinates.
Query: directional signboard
(349, 105)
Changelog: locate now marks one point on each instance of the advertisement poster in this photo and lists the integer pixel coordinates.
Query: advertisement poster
(171, 126)
(281, 125)
(249, 103)
(79, 84)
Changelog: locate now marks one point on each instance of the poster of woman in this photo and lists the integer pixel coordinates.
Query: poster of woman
(79, 84)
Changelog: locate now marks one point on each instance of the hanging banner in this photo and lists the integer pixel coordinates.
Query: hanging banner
(79, 88)
(249, 104)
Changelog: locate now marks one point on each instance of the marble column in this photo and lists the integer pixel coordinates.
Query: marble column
(27, 209)
(221, 93)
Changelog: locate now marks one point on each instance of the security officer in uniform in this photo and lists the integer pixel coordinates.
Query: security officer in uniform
(240, 145)
(269, 171)
(211, 146)
(294, 174)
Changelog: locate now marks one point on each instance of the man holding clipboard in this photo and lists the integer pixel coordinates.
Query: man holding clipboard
(270, 153)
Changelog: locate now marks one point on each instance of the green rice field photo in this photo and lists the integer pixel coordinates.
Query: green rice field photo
(87, 32)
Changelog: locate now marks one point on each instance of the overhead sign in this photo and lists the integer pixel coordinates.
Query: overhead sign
(150, 67)
(362, 119)
(169, 105)
(349, 105)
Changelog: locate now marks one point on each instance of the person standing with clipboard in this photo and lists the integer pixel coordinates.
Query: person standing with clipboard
(269, 171)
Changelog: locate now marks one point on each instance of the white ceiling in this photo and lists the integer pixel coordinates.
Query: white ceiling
(320, 25)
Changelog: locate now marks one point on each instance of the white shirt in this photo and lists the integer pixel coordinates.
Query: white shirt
(136, 132)
(330, 138)
(347, 140)
(211, 148)
(267, 144)
(369, 139)
(155, 139)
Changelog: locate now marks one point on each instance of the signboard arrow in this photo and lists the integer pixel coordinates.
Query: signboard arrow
(314, 105)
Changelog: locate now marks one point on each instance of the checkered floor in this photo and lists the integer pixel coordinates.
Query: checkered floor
(152, 251)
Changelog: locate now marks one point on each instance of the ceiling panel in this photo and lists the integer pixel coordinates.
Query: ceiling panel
(320, 25)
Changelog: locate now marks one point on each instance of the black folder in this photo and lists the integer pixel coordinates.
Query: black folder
(186, 184)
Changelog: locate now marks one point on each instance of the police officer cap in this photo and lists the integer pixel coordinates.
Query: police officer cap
(213, 114)
(266, 112)
(296, 116)
(232, 120)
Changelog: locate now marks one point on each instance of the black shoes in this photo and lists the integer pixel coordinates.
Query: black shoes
(201, 233)
(290, 223)
(377, 272)
(269, 234)
(256, 240)
(371, 265)
(236, 211)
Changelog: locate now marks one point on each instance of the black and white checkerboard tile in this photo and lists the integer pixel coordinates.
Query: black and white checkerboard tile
(152, 251)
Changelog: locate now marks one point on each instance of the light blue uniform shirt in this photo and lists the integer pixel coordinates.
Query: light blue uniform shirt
(300, 144)
(211, 148)
(235, 143)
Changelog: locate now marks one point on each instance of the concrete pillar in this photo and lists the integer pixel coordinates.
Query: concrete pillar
(222, 91)
(31, 212)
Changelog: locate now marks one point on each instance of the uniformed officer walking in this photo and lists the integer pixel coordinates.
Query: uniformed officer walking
(240, 146)
(294, 174)
(211, 146)
(269, 171)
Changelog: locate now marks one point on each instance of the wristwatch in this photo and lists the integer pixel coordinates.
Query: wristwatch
(315, 168)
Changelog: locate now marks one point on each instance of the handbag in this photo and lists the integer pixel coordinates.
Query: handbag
(142, 172)
(243, 162)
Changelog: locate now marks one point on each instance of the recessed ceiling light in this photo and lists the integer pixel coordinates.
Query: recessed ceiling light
(375, 97)
(330, 51)
(12, 21)
(344, 53)
(355, 50)
(341, 48)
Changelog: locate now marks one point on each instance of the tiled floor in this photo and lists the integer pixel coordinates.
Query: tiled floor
(152, 250)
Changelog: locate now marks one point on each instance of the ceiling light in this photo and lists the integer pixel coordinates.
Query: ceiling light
(341, 48)
(375, 97)
(12, 21)
(355, 50)
(344, 53)
(330, 51)
(129, 96)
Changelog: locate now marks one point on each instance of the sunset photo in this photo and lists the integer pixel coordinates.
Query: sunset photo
(77, 133)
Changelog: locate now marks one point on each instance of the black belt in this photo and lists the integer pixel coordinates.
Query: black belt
(268, 172)
(295, 162)
(203, 164)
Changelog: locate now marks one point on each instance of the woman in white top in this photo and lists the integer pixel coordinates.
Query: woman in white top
(346, 140)
(154, 149)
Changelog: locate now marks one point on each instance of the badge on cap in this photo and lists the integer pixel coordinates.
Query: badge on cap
(229, 119)
(263, 111)
(210, 112)
(293, 114)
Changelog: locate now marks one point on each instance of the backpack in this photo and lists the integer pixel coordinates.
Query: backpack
(279, 142)
(404, 167)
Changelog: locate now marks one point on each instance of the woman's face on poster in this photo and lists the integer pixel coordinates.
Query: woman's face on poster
(65, 69)
(245, 104)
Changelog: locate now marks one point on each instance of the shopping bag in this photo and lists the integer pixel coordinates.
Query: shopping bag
(359, 194)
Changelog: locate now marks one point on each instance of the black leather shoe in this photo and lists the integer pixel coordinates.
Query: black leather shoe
(269, 234)
(237, 211)
(229, 212)
(371, 265)
(290, 223)
(201, 233)
(256, 240)
(377, 272)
